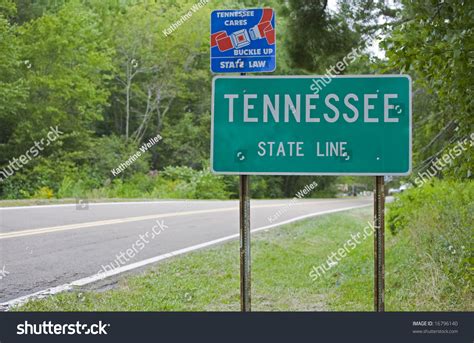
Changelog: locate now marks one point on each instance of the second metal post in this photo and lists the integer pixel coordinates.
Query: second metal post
(244, 209)
(379, 245)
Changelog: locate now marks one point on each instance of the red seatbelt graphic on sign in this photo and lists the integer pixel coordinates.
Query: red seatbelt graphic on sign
(222, 41)
(264, 28)
(242, 38)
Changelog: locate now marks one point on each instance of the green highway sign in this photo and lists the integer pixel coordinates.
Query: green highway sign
(297, 125)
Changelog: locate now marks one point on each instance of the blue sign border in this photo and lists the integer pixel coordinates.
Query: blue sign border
(271, 59)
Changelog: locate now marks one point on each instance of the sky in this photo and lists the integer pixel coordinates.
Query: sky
(374, 49)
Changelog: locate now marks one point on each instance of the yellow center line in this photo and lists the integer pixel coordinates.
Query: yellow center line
(68, 227)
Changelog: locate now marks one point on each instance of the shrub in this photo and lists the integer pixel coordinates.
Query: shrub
(173, 182)
(436, 220)
(44, 193)
(209, 186)
(446, 199)
(194, 184)
(41, 172)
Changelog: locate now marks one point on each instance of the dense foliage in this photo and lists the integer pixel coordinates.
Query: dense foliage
(104, 73)
(434, 42)
(437, 220)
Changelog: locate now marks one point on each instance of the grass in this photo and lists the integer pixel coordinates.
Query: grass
(208, 280)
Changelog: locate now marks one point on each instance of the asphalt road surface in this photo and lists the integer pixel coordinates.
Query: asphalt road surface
(48, 246)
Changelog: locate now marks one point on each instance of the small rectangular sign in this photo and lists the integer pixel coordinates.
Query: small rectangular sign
(297, 125)
(243, 41)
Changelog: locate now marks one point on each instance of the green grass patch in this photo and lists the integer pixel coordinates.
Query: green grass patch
(432, 247)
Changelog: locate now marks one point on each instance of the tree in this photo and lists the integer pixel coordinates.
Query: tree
(151, 67)
(70, 67)
(435, 45)
(316, 38)
(13, 89)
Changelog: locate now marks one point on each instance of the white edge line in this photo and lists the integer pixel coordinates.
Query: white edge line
(100, 276)
(76, 226)
(92, 204)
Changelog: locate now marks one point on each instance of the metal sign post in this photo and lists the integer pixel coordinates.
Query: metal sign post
(379, 245)
(301, 125)
(244, 209)
(243, 41)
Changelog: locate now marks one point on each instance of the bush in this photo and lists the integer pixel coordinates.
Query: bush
(194, 184)
(44, 193)
(173, 182)
(138, 186)
(75, 174)
(40, 173)
(448, 200)
(435, 221)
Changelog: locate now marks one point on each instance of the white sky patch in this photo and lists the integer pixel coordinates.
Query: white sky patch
(374, 49)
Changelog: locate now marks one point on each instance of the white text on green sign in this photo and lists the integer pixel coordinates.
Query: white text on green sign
(279, 125)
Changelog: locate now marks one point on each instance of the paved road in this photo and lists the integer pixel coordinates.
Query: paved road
(47, 246)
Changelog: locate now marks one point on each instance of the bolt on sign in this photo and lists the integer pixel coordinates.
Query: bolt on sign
(243, 41)
(283, 125)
